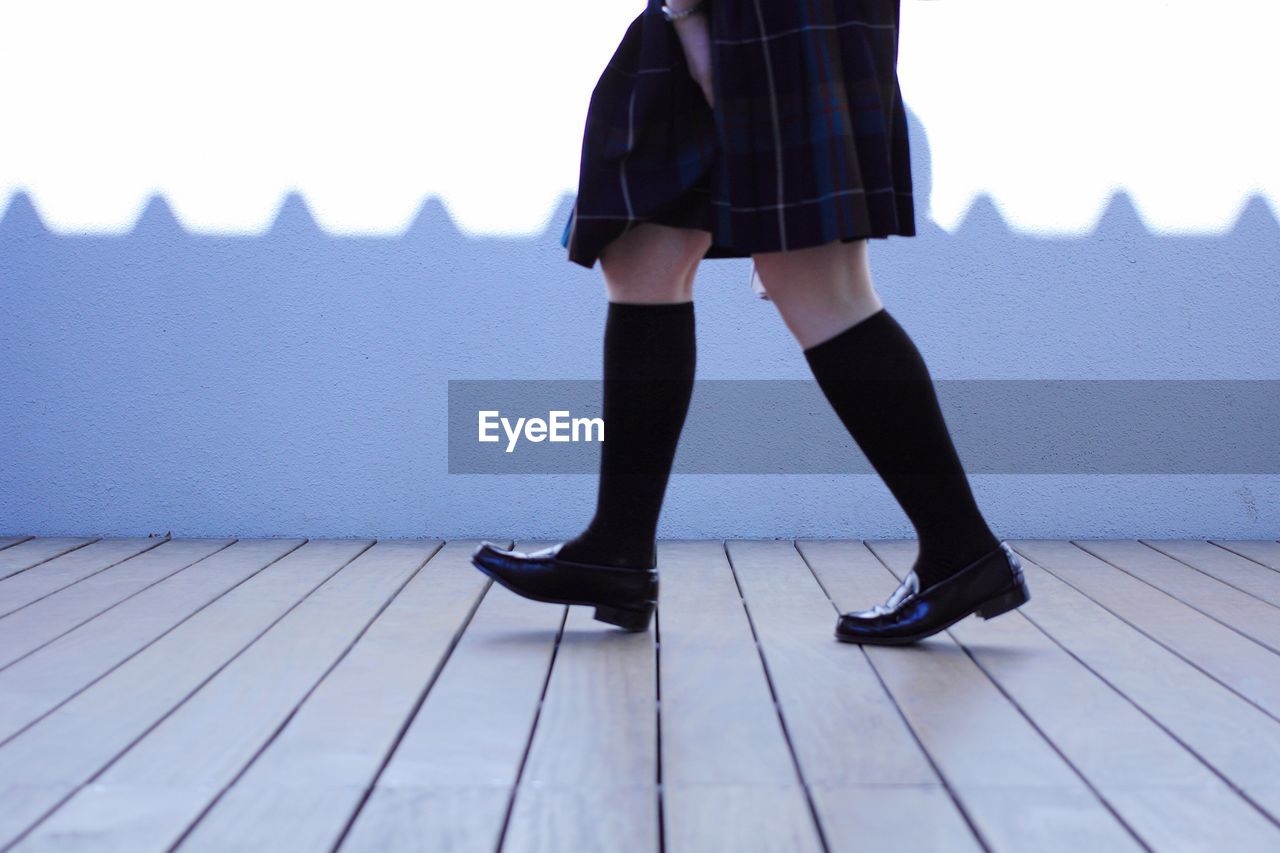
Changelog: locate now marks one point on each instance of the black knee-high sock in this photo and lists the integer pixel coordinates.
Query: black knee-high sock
(879, 385)
(649, 355)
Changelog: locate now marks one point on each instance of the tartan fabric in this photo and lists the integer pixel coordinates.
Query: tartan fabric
(807, 143)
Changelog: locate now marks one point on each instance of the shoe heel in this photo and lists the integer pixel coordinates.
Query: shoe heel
(1006, 601)
(631, 620)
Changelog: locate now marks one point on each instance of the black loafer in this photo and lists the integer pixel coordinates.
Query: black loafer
(621, 596)
(991, 585)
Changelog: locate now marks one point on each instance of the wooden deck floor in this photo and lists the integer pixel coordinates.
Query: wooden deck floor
(281, 695)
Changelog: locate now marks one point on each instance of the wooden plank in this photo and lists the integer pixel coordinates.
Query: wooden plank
(1158, 787)
(1239, 663)
(1238, 610)
(729, 780)
(1264, 551)
(305, 787)
(590, 778)
(71, 568)
(870, 780)
(38, 683)
(439, 818)
(64, 750)
(39, 623)
(1240, 572)
(12, 540)
(1239, 740)
(1018, 792)
(34, 552)
(200, 748)
(1268, 798)
(448, 784)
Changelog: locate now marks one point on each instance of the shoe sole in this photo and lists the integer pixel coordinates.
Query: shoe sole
(628, 619)
(1009, 599)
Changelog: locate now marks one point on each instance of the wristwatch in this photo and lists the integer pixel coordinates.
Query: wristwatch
(672, 15)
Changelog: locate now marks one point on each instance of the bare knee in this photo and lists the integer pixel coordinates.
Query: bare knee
(652, 262)
(835, 270)
(820, 290)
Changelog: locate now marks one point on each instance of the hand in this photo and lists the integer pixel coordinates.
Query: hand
(695, 38)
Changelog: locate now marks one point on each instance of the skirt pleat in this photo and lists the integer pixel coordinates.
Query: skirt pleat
(807, 143)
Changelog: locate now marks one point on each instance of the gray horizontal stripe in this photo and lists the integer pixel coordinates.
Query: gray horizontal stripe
(1000, 426)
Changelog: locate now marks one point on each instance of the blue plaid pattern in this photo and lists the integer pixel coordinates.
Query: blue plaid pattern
(807, 143)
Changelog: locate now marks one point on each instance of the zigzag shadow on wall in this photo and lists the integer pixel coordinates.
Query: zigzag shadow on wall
(299, 369)
(1105, 301)
(1116, 291)
(433, 223)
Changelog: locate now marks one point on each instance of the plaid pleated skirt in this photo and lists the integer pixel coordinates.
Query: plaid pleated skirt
(807, 142)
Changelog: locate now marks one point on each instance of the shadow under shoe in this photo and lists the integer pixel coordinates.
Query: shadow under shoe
(624, 597)
(991, 585)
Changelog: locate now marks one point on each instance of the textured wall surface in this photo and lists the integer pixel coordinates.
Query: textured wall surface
(295, 383)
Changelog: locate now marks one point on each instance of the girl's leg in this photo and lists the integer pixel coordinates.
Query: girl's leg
(876, 380)
(649, 356)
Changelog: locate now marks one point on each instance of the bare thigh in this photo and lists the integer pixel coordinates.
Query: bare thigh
(652, 262)
(820, 291)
